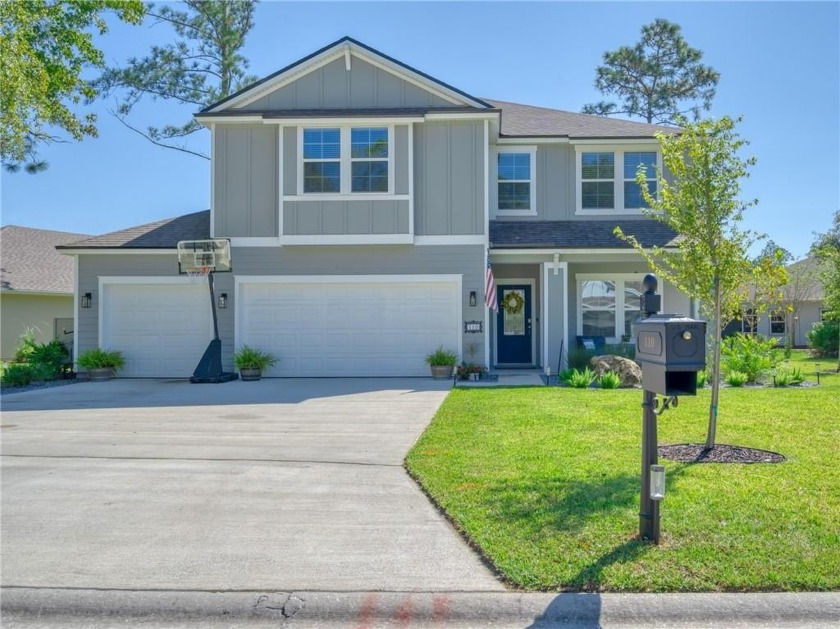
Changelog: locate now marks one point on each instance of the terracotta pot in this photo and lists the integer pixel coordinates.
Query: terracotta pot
(441, 372)
(250, 374)
(100, 374)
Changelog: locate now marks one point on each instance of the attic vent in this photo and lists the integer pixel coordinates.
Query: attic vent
(347, 58)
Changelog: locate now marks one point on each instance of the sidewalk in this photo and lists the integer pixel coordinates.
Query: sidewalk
(25, 607)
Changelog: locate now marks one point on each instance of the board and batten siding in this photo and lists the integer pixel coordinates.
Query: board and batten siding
(343, 217)
(449, 178)
(334, 87)
(245, 179)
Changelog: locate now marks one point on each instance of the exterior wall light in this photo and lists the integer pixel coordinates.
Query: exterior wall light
(657, 482)
(472, 298)
(86, 300)
(223, 300)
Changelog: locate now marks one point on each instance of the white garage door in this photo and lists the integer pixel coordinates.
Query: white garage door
(163, 329)
(349, 327)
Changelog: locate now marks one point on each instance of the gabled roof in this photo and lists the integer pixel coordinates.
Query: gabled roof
(804, 282)
(30, 263)
(345, 45)
(163, 234)
(578, 234)
(529, 121)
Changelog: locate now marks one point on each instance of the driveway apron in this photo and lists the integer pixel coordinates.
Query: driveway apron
(270, 485)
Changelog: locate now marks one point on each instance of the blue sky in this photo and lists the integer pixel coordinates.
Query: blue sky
(779, 65)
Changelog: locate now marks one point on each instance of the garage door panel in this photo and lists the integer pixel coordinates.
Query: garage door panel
(163, 329)
(351, 328)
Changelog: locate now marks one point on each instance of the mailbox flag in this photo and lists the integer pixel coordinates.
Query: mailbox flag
(490, 289)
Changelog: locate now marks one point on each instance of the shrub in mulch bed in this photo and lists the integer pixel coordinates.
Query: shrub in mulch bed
(721, 453)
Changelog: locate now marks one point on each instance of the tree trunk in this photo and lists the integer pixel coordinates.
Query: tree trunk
(713, 406)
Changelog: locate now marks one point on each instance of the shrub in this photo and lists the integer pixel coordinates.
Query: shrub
(736, 378)
(824, 339)
(579, 358)
(609, 380)
(441, 358)
(785, 377)
(48, 359)
(565, 375)
(582, 379)
(247, 357)
(750, 355)
(465, 370)
(26, 345)
(702, 377)
(18, 375)
(100, 358)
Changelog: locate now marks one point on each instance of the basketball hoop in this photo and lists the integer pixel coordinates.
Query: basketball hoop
(198, 273)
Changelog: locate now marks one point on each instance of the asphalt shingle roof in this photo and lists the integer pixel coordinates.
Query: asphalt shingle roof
(29, 261)
(577, 234)
(527, 120)
(163, 234)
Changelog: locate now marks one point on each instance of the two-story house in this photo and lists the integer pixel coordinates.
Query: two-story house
(364, 200)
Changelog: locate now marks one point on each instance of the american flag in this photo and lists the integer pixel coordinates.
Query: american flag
(490, 289)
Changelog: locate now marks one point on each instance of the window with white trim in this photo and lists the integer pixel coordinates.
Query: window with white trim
(606, 178)
(777, 322)
(346, 160)
(608, 306)
(516, 181)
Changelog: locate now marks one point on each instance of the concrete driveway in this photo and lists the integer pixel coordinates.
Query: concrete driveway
(273, 485)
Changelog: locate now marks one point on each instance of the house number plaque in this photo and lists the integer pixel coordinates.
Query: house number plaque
(473, 327)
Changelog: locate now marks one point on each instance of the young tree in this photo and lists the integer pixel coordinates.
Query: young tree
(700, 200)
(655, 77)
(826, 249)
(203, 65)
(45, 45)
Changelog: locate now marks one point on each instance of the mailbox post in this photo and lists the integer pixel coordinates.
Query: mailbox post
(671, 349)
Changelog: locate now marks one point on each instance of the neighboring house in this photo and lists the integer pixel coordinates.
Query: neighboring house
(36, 286)
(800, 307)
(363, 200)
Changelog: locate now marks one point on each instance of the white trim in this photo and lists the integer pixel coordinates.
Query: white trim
(6, 292)
(609, 276)
(561, 251)
(488, 318)
(616, 141)
(466, 115)
(111, 252)
(347, 56)
(75, 356)
(347, 239)
(410, 179)
(516, 141)
(213, 180)
(281, 181)
(507, 281)
(211, 120)
(328, 56)
(544, 267)
(450, 240)
(618, 150)
(244, 241)
(565, 267)
(519, 149)
(367, 120)
(354, 196)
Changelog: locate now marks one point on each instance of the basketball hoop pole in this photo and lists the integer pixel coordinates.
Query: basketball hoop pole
(213, 306)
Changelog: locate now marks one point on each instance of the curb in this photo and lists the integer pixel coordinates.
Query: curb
(107, 608)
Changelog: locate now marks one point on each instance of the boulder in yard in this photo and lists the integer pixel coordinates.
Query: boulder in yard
(626, 369)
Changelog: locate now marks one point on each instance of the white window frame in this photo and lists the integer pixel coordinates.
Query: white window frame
(519, 150)
(320, 160)
(778, 316)
(651, 176)
(619, 279)
(346, 161)
(618, 150)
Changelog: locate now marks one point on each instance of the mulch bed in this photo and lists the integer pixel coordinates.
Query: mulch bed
(721, 453)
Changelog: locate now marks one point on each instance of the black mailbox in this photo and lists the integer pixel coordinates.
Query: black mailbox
(672, 349)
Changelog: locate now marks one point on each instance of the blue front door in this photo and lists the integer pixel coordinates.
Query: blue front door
(513, 325)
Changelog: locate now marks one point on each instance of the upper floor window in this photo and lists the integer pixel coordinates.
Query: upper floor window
(515, 185)
(346, 160)
(606, 179)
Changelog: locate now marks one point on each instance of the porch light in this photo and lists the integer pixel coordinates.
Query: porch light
(657, 482)
(86, 300)
(472, 298)
(223, 299)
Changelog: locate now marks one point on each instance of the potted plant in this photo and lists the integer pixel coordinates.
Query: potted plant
(251, 362)
(101, 364)
(441, 362)
(470, 371)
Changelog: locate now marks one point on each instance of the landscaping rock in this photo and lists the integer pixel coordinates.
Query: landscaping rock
(629, 372)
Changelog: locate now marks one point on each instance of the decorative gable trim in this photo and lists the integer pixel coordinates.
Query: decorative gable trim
(345, 47)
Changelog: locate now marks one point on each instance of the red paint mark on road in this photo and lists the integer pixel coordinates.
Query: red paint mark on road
(366, 612)
(403, 616)
(440, 607)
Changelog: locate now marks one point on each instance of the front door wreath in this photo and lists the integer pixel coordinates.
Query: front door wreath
(513, 302)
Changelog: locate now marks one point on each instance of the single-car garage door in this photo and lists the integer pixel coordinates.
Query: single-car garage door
(349, 326)
(163, 329)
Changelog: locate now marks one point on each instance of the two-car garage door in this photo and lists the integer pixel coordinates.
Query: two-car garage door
(349, 326)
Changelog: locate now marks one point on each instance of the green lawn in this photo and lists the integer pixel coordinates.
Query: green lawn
(546, 482)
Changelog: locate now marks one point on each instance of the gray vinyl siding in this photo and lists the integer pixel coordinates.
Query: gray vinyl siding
(245, 181)
(401, 159)
(808, 314)
(449, 178)
(290, 164)
(333, 87)
(345, 217)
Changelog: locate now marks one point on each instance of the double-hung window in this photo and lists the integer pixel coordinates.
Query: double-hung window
(515, 181)
(606, 179)
(608, 306)
(597, 176)
(777, 322)
(633, 198)
(346, 160)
